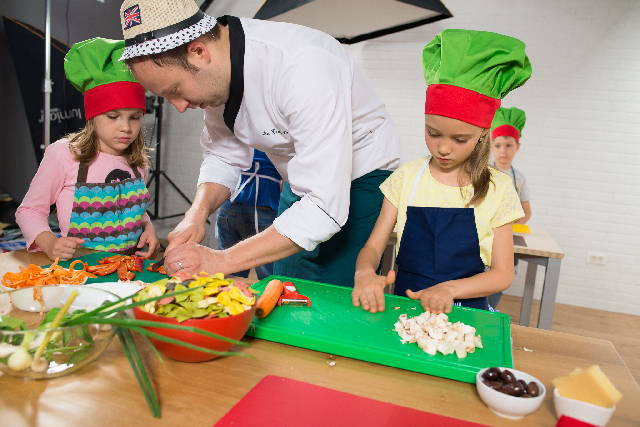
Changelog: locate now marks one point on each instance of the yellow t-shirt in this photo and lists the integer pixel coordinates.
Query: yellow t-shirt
(500, 206)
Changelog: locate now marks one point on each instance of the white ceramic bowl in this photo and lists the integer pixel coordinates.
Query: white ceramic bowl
(582, 411)
(49, 296)
(510, 406)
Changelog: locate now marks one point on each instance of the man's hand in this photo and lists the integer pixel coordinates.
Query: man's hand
(188, 230)
(190, 258)
(209, 197)
(368, 290)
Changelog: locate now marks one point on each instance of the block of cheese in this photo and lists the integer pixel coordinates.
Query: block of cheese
(591, 386)
(521, 228)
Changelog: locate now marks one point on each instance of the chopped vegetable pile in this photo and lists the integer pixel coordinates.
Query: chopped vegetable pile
(125, 266)
(52, 275)
(434, 333)
(219, 297)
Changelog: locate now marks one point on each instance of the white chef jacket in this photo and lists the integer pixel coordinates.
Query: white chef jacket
(305, 104)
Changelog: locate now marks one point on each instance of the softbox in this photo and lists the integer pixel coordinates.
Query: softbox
(353, 21)
(67, 104)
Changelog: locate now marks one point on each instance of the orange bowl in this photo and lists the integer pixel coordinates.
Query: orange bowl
(231, 327)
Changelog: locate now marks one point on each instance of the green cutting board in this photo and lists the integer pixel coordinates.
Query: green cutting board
(92, 259)
(333, 325)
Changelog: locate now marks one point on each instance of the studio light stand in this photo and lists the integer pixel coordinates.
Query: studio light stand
(155, 104)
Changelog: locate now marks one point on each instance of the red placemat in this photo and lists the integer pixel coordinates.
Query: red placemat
(283, 402)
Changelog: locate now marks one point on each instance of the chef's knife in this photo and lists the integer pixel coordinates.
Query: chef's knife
(156, 266)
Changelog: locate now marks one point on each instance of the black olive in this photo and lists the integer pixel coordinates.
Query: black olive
(508, 377)
(512, 389)
(533, 389)
(526, 395)
(491, 374)
(523, 383)
(493, 384)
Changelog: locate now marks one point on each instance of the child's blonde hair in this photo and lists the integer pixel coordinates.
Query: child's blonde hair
(84, 145)
(476, 167)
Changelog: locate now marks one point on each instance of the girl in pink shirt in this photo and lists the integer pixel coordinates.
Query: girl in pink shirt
(96, 177)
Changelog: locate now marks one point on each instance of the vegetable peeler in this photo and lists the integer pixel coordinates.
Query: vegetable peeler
(290, 296)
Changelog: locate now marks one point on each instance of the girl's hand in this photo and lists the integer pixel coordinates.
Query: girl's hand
(368, 290)
(436, 299)
(63, 248)
(149, 237)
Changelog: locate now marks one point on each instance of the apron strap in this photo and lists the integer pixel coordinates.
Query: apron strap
(83, 170)
(251, 176)
(417, 180)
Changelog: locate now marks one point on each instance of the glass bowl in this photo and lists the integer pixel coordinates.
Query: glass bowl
(69, 348)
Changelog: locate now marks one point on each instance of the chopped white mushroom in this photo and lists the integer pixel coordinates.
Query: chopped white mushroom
(478, 341)
(432, 350)
(434, 333)
(461, 352)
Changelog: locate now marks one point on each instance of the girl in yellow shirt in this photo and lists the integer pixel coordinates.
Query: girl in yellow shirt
(454, 212)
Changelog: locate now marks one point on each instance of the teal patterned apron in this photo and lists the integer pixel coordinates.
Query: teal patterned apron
(109, 216)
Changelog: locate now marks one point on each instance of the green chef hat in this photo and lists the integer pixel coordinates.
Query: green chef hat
(508, 122)
(94, 68)
(469, 72)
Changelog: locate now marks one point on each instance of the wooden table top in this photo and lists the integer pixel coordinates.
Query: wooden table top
(198, 394)
(539, 243)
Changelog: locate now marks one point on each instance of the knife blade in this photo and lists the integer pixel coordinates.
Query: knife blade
(156, 266)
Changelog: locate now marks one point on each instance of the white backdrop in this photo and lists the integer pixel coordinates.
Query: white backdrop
(580, 146)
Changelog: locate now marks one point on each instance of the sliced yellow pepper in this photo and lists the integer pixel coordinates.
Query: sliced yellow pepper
(236, 308)
(224, 298)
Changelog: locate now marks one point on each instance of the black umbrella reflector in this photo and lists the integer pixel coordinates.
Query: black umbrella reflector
(67, 104)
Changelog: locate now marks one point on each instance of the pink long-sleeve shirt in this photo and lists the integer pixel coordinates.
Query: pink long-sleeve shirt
(55, 183)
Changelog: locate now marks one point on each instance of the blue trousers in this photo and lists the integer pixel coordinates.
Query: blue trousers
(236, 222)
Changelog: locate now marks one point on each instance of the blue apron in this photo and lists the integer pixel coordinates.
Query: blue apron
(438, 245)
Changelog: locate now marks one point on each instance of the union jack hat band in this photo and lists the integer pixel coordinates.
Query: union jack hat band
(169, 37)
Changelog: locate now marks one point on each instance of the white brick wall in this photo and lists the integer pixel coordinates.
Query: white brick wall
(580, 147)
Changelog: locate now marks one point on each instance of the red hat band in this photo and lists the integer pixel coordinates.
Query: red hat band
(112, 96)
(506, 130)
(461, 104)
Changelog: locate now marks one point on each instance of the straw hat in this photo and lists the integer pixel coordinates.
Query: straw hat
(153, 26)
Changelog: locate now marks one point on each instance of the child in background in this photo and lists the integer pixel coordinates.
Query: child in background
(454, 213)
(505, 142)
(96, 177)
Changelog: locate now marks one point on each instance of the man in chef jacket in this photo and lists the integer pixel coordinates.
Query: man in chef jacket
(289, 91)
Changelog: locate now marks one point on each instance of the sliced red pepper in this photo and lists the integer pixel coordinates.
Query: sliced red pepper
(131, 275)
(122, 271)
(160, 270)
(139, 262)
(131, 264)
(105, 270)
(110, 259)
